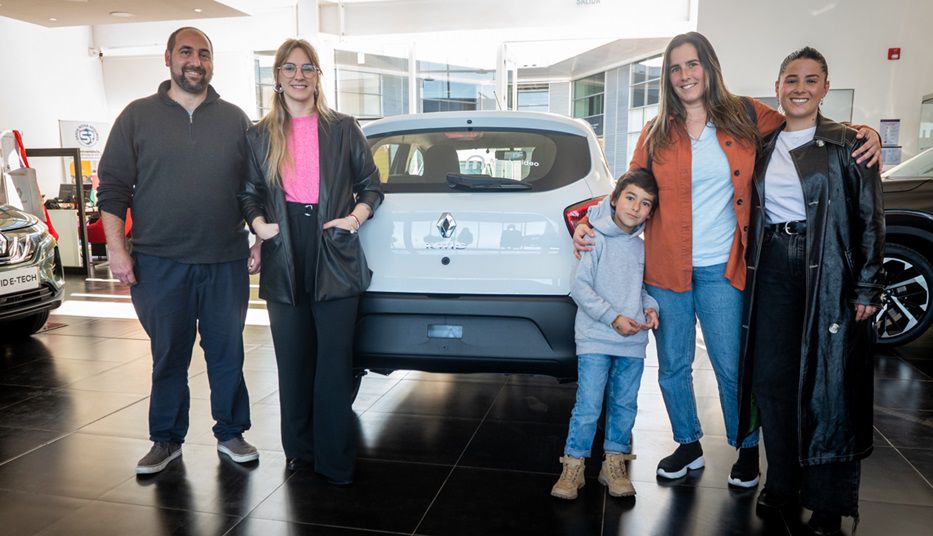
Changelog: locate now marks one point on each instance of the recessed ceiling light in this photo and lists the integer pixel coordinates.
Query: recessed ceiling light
(198, 10)
(53, 19)
(121, 14)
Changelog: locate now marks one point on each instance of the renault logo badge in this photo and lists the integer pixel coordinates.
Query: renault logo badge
(446, 224)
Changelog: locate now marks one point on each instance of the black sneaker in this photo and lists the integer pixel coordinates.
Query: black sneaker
(825, 524)
(745, 471)
(159, 456)
(687, 456)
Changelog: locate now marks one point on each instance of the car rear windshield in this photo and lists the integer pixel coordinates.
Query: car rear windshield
(420, 161)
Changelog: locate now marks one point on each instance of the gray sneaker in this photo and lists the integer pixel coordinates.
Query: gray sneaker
(238, 449)
(161, 453)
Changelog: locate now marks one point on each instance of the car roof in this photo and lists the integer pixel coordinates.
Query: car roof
(488, 119)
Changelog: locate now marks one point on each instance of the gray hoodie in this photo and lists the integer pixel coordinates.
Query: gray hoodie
(609, 281)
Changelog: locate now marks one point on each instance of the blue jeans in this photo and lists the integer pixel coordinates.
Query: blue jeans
(718, 305)
(623, 375)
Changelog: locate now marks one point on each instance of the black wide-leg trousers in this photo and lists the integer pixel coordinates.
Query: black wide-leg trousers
(313, 349)
(780, 296)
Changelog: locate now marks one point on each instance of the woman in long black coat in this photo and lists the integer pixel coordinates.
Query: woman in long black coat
(815, 280)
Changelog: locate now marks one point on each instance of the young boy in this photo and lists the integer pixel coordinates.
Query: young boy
(613, 318)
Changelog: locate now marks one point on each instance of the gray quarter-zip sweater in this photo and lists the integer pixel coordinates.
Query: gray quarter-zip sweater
(180, 174)
(609, 281)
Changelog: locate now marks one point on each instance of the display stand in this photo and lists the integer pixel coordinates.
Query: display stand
(85, 267)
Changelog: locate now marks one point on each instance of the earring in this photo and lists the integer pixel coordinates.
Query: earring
(278, 88)
(780, 109)
(821, 102)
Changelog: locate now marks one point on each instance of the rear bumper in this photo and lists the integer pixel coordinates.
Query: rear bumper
(449, 333)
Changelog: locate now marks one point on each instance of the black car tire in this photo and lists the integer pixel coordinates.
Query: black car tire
(26, 326)
(907, 311)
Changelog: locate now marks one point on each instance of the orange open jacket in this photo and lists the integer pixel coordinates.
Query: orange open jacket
(669, 232)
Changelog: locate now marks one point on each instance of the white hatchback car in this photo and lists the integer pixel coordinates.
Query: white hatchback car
(472, 248)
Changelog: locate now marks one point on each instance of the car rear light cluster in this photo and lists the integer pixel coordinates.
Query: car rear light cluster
(574, 213)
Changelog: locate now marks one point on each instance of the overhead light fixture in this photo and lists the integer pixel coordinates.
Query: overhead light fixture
(121, 14)
(198, 10)
(53, 19)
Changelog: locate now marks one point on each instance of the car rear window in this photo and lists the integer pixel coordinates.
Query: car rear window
(420, 161)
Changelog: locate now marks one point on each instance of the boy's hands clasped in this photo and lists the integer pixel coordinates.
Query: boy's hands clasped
(627, 327)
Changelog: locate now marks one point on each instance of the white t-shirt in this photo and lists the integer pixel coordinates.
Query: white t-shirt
(783, 193)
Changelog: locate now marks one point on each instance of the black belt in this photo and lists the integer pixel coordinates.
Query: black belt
(788, 227)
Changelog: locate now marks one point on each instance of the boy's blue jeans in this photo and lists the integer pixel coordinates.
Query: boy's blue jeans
(718, 305)
(623, 375)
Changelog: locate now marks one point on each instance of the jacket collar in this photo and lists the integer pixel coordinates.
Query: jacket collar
(827, 131)
(830, 131)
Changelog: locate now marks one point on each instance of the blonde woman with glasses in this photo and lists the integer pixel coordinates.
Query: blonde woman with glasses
(311, 185)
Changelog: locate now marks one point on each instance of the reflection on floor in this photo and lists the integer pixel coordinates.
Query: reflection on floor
(441, 454)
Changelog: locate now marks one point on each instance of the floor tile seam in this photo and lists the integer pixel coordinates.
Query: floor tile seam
(602, 513)
(919, 370)
(912, 466)
(43, 494)
(450, 473)
(903, 408)
(305, 523)
(887, 503)
(407, 462)
(116, 502)
(380, 397)
(114, 412)
(18, 401)
(45, 444)
(408, 414)
(884, 437)
(267, 497)
(557, 472)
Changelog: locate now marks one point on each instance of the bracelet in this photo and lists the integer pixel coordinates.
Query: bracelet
(358, 224)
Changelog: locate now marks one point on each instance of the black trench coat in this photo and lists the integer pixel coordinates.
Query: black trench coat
(348, 176)
(844, 248)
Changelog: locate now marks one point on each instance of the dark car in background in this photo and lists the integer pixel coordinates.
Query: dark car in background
(908, 256)
(32, 280)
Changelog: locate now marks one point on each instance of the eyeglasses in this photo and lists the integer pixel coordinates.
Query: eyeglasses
(290, 69)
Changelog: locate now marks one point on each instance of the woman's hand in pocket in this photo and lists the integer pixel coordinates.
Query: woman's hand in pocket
(347, 224)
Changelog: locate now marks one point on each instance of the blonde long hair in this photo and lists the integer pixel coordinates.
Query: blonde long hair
(725, 110)
(277, 121)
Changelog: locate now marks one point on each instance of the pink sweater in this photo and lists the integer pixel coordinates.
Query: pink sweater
(301, 178)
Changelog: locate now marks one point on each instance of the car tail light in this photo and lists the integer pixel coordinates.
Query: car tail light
(574, 213)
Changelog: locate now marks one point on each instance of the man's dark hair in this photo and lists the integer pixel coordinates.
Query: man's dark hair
(170, 46)
(636, 177)
(805, 53)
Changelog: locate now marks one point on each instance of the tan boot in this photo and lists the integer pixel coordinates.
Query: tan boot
(571, 478)
(614, 475)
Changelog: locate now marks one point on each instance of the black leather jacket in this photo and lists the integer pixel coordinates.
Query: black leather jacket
(348, 176)
(845, 245)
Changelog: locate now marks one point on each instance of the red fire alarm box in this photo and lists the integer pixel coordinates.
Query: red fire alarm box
(894, 53)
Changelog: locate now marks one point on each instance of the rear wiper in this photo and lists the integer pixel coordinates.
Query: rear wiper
(462, 181)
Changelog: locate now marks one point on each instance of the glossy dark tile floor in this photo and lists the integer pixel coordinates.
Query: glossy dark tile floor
(440, 454)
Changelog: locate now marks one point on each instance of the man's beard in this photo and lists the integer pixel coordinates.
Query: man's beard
(187, 86)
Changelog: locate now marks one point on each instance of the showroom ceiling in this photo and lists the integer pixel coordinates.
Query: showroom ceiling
(58, 13)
